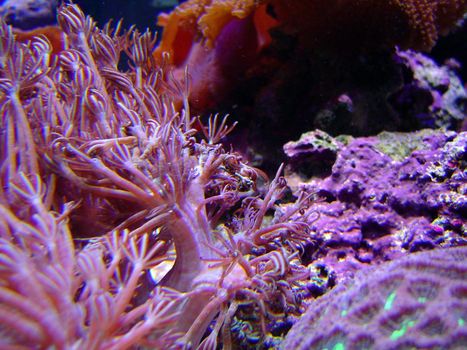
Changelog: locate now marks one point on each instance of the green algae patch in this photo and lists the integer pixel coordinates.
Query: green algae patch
(399, 145)
(401, 331)
(339, 346)
(390, 301)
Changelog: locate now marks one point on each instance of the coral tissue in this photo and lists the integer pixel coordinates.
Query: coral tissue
(105, 186)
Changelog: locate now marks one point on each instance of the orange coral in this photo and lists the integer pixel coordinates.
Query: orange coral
(209, 16)
(53, 33)
(203, 20)
(218, 40)
(428, 19)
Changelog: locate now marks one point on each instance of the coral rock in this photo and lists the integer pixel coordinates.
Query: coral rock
(434, 94)
(386, 196)
(28, 14)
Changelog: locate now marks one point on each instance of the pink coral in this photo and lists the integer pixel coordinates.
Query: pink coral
(106, 186)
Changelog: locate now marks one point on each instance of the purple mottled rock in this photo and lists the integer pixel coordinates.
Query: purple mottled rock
(314, 147)
(29, 14)
(386, 196)
(434, 94)
(313, 143)
(416, 302)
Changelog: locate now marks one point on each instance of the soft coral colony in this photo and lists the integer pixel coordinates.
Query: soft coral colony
(105, 184)
(124, 222)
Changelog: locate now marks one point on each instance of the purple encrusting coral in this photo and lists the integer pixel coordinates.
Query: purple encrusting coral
(432, 94)
(386, 195)
(416, 302)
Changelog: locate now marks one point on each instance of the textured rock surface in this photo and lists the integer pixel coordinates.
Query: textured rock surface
(314, 147)
(432, 93)
(416, 302)
(28, 14)
(386, 196)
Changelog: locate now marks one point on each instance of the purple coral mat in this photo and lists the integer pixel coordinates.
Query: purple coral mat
(385, 196)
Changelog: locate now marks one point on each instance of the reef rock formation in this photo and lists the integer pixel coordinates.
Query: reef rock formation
(416, 302)
(28, 14)
(385, 196)
(432, 96)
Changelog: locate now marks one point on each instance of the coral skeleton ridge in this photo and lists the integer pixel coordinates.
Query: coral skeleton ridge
(416, 302)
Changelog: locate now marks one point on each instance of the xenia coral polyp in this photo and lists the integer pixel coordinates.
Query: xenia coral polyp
(104, 183)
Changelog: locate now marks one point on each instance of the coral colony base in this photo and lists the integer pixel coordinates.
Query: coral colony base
(126, 224)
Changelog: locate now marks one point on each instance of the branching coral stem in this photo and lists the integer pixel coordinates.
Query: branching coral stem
(267, 234)
(34, 312)
(208, 312)
(26, 139)
(188, 239)
(149, 225)
(22, 325)
(99, 190)
(126, 293)
(268, 200)
(10, 165)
